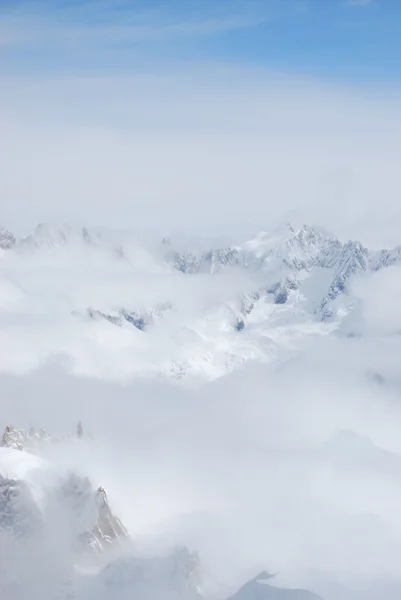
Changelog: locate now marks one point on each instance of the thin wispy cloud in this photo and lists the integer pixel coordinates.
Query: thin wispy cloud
(83, 36)
(183, 121)
(106, 22)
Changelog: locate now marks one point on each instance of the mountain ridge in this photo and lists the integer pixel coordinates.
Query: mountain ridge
(192, 311)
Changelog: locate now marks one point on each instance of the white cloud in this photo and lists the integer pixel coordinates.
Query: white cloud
(214, 148)
(379, 297)
(254, 471)
(292, 467)
(86, 24)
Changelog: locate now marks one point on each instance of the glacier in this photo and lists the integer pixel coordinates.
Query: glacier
(118, 305)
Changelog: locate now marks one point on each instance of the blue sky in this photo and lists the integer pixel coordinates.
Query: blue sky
(195, 115)
(341, 39)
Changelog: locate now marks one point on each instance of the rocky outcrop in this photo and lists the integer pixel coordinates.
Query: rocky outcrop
(260, 588)
(7, 240)
(96, 526)
(108, 528)
(19, 515)
(31, 440)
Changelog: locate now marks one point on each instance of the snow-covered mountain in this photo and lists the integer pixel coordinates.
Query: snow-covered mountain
(45, 506)
(22, 511)
(40, 506)
(7, 240)
(115, 305)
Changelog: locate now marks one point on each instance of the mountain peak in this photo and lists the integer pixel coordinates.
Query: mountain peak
(7, 240)
(49, 235)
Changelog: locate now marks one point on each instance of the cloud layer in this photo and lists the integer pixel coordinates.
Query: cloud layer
(295, 470)
(213, 150)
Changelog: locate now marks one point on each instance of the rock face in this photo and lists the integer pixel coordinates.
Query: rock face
(291, 254)
(147, 308)
(42, 507)
(19, 515)
(32, 440)
(97, 528)
(108, 528)
(7, 240)
(290, 251)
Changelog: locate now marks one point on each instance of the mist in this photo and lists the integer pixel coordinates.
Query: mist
(228, 149)
(200, 258)
(294, 470)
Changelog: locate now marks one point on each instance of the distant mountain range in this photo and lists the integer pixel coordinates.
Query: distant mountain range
(201, 309)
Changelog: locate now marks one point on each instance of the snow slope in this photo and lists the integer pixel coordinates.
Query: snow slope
(323, 420)
(44, 509)
(108, 304)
